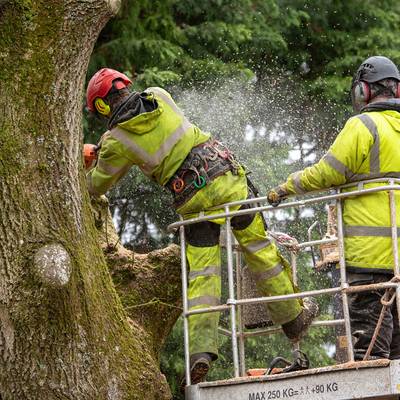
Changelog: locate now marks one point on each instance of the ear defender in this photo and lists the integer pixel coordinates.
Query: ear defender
(102, 107)
(361, 94)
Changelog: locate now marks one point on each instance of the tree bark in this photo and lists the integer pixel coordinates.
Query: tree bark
(149, 285)
(63, 331)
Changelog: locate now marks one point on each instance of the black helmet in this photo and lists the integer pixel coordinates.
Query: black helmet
(375, 76)
(376, 68)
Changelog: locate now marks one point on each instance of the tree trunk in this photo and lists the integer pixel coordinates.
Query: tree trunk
(63, 331)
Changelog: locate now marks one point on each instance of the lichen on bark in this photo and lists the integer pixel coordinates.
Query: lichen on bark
(53, 265)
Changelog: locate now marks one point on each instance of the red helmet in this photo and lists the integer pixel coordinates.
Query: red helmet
(101, 83)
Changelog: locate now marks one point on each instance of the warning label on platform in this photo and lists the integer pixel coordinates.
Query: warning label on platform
(292, 392)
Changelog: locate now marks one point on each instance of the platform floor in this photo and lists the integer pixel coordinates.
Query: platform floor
(377, 379)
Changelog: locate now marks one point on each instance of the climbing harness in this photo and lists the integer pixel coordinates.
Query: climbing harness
(387, 300)
(203, 164)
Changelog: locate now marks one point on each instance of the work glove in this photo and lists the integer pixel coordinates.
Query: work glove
(276, 195)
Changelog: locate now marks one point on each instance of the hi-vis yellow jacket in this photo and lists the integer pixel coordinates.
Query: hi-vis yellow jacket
(368, 147)
(157, 142)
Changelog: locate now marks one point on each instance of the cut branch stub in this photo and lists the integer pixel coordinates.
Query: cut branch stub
(53, 265)
(114, 6)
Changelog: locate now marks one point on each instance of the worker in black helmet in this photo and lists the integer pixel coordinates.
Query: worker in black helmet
(366, 148)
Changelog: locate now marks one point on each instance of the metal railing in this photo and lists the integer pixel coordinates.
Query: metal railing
(233, 304)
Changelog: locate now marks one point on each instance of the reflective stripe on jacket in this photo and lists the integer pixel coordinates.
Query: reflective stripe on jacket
(367, 147)
(157, 142)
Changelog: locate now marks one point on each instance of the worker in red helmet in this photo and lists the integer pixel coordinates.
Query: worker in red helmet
(149, 130)
(104, 83)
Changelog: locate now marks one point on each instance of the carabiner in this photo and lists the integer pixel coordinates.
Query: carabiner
(201, 182)
(178, 184)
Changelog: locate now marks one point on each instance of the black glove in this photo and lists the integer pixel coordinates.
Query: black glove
(276, 195)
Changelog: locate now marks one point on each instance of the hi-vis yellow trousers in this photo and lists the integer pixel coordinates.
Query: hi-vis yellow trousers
(269, 268)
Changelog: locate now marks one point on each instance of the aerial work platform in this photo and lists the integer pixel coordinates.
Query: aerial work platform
(378, 379)
(374, 379)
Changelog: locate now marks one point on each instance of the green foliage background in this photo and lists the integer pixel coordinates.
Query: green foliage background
(281, 66)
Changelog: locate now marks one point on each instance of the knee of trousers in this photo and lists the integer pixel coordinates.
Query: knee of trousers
(203, 234)
(204, 291)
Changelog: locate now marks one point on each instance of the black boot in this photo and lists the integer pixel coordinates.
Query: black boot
(199, 365)
(297, 328)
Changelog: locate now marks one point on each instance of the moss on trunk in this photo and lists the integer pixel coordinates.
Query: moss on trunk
(71, 339)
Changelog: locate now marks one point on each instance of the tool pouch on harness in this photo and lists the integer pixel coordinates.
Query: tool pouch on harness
(203, 164)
